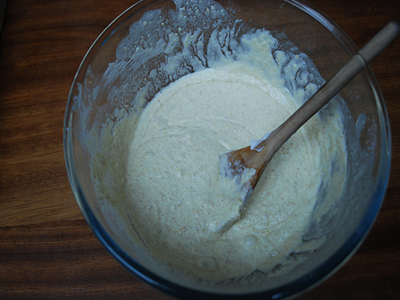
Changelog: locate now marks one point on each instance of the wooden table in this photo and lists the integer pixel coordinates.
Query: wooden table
(47, 250)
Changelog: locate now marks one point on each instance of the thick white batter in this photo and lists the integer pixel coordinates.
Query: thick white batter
(174, 184)
(159, 171)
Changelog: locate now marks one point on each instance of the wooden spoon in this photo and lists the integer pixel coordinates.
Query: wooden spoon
(235, 165)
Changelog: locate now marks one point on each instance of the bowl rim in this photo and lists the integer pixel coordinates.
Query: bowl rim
(298, 286)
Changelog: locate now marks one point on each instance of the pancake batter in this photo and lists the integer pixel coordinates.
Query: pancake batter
(176, 194)
(159, 168)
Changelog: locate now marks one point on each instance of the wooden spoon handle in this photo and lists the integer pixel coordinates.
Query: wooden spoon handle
(367, 54)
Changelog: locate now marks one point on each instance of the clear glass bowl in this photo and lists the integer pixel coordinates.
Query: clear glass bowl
(92, 101)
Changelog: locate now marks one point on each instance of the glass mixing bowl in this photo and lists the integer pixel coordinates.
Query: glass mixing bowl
(125, 53)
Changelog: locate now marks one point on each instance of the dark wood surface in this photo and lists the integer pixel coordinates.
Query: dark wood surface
(47, 250)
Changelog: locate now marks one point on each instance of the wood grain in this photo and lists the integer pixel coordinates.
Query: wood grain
(46, 249)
